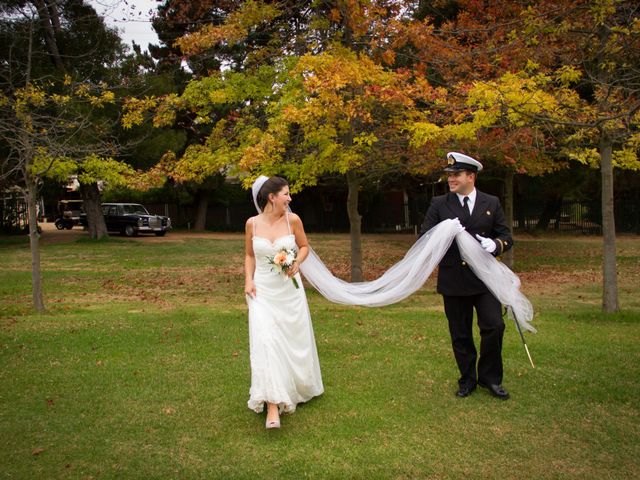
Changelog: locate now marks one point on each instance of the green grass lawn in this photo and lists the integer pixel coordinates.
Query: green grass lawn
(140, 369)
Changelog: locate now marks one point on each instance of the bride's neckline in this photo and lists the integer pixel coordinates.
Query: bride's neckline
(275, 239)
(272, 242)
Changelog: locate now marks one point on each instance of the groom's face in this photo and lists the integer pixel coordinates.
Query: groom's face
(461, 182)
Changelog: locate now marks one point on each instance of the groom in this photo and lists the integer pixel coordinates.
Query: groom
(482, 216)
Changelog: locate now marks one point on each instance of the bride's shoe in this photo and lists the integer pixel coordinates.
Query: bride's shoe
(272, 409)
(272, 424)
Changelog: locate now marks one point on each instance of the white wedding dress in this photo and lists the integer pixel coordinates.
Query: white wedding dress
(284, 361)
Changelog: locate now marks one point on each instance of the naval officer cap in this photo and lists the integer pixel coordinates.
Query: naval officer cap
(459, 161)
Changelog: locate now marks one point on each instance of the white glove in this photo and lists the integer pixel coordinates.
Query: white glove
(459, 225)
(488, 244)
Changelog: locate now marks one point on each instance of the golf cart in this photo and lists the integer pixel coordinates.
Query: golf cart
(68, 214)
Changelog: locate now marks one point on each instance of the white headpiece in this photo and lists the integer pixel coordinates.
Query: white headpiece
(255, 188)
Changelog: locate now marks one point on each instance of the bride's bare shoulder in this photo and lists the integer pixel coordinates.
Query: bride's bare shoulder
(250, 220)
(294, 218)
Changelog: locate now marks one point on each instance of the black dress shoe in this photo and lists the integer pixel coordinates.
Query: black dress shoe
(465, 390)
(495, 390)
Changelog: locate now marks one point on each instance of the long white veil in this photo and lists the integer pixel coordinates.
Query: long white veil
(410, 273)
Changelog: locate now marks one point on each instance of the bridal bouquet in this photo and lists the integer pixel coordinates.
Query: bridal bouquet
(283, 261)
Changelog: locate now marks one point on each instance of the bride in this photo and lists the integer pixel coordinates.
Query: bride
(285, 369)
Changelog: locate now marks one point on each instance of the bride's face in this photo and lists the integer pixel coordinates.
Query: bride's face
(280, 200)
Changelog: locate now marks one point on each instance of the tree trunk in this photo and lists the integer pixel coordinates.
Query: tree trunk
(34, 243)
(355, 221)
(202, 205)
(609, 271)
(49, 33)
(52, 6)
(507, 257)
(93, 208)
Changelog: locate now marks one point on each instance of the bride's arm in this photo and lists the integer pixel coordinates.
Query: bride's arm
(301, 242)
(249, 260)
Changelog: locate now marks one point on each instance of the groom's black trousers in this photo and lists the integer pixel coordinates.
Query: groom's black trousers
(459, 311)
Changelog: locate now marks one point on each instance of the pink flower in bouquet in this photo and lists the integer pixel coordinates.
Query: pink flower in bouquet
(280, 258)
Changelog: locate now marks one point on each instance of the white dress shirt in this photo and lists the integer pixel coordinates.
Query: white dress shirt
(471, 202)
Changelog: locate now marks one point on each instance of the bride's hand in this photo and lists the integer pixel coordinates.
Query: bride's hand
(295, 268)
(250, 288)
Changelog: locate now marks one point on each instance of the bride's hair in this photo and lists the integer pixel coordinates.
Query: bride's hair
(273, 185)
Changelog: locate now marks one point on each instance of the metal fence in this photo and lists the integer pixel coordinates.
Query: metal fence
(578, 216)
(570, 216)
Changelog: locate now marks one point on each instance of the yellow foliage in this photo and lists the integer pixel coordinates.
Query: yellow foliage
(60, 99)
(567, 75)
(197, 163)
(56, 167)
(165, 114)
(30, 96)
(235, 28)
(365, 139)
(627, 159)
(531, 66)
(112, 172)
(425, 132)
(134, 110)
(601, 10)
(462, 131)
(586, 156)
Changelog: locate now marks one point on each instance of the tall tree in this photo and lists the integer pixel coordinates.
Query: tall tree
(55, 54)
(459, 43)
(339, 112)
(197, 59)
(595, 81)
(38, 131)
(287, 37)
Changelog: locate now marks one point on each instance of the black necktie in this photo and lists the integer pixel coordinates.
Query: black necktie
(467, 213)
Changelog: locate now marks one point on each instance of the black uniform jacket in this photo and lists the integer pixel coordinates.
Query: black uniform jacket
(454, 275)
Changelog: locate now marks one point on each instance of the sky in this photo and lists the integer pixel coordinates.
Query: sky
(132, 18)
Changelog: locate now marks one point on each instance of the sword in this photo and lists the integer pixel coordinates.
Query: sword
(521, 336)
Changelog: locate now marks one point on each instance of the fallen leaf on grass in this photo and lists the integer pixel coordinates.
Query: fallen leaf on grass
(37, 451)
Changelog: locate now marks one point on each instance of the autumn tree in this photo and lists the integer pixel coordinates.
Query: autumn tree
(339, 112)
(186, 53)
(332, 107)
(53, 100)
(595, 85)
(458, 44)
(38, 131)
